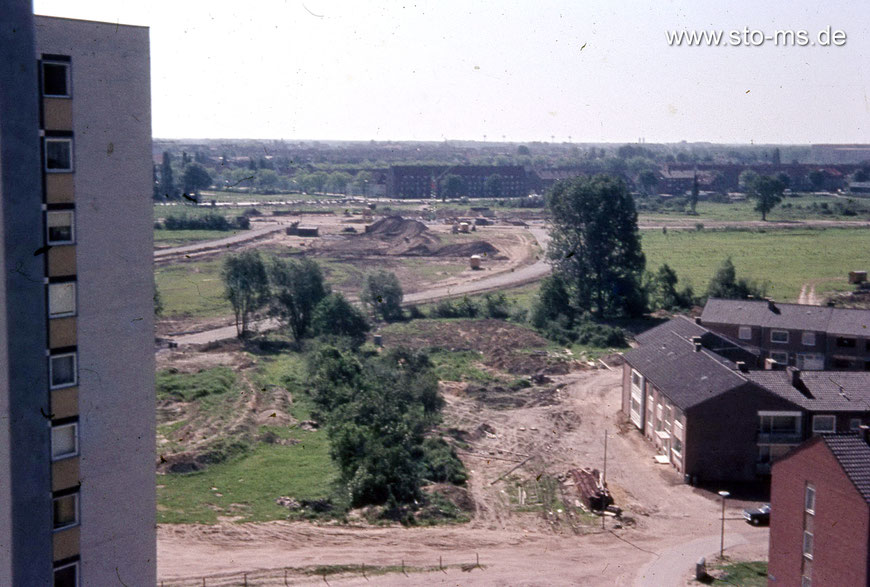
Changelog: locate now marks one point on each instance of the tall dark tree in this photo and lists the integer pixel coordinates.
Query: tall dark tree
(451, 186)
(493, 185)
(767, 193)
(693, 198)
(382, 292)
(167, 184)
(725, 284)
(336, 316)
(297, 288)
(196, 178)
(246, 286)
(776, 157)
(595, 245)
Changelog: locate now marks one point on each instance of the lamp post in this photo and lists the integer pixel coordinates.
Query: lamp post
(723, 494)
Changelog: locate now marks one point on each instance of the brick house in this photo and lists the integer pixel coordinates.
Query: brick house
(820, 513)
(807, 337)
(692, 394)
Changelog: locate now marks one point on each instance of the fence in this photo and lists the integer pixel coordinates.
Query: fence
(323, 573)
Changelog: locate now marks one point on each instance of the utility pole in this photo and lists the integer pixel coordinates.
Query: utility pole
(604, 480)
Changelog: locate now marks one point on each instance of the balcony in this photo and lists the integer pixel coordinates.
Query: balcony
(789, 437)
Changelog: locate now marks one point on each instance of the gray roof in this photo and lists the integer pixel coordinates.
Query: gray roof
(842, 321)
(853, 454)
(667, 358)
(819, 391)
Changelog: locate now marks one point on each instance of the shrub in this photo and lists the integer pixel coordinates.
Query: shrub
(440, 463)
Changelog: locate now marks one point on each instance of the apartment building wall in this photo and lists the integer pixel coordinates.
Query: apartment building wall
(840, 522)
(110, 189)
(25, 498)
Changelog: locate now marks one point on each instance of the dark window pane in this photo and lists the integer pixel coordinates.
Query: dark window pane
(58, 155)
(66, 577)
(59, 233)
(63, 370)
(54, 79)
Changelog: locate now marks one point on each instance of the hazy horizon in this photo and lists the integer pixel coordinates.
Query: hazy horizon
(532, 72)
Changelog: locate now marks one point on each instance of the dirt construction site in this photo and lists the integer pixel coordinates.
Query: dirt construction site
(526, 526)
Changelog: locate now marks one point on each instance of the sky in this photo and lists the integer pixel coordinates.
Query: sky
(576, 71)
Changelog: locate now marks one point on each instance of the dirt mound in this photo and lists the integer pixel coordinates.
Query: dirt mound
(482, 248)
(395, 227)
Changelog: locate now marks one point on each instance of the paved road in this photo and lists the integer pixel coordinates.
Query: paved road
(672, 566)
(527, 274)
(239, 237)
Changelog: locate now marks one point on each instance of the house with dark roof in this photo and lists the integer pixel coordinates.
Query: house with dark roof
(696, 396)
(807, 337)
(820, 513)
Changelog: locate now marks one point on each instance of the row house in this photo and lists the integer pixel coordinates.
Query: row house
(820, 506)
(807, 337)
(692, 394)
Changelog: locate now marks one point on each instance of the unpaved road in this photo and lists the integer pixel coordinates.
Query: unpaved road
(672, 522)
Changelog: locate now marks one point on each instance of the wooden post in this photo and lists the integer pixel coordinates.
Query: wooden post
(285, 577)
(245, 579)
(403, 568)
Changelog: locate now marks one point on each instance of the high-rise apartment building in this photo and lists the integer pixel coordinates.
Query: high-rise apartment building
(77, 498)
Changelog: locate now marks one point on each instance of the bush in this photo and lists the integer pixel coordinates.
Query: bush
(208, 221)
(334, 315)
(440, 463)
(415, 313)
(190, 386)
(496, 306)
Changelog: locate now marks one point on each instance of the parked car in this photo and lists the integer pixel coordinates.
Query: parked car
(759, 516)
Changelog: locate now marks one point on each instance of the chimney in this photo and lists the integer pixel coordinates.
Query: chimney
(772, 365)
(795, 374)
(741, 366)
(696, 340)
(864, 431)
(697, 319)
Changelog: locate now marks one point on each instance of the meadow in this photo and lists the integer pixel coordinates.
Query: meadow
(784, 260)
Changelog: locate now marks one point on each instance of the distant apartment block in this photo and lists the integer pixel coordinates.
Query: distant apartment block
(424, 181)
(695, 397)
(807, 337)
(77, 497)
(820, 513)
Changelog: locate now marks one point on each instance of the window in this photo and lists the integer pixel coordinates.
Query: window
(808, 544)
(808, 338)
(787, 424)
(855, 423)
(823, 424)
(810, 499)
(67, 575)
(779, 357)
(810, 361)
(636, 379)
(62, 370)
(58, 154)
(744, 333)
(780, 336)
(55, 79)
(677, 446)
(64, 441)
(66, 511)
(846, 342)
(61, 299)
(59, 227)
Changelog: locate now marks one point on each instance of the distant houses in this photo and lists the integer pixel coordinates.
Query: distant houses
(720, 407)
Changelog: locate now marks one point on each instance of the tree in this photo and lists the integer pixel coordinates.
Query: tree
(297, 288)
(195, 178)
(158, 301)
(334, 315)
(493, 185)
(817, 178)
(726, 285)
(362, 181)
(693, 198)
(747, 180)
(246, 286)
(451, 186)
(776, 157)
(167, 184)
(382, 292)
(663, 291)
(767, 193)
(338, 182)
(523, 151)
(553, 301)
(595, 245)
(648, 180)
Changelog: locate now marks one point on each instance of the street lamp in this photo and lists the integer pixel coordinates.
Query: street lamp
(724, 494)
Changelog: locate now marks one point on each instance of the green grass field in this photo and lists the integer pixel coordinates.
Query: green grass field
(245, 487)
(802, 207)
(192, 289)
(747, 574)
(175, 238)
(783, 259)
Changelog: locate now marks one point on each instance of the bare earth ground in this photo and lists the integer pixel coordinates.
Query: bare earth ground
(563, 430)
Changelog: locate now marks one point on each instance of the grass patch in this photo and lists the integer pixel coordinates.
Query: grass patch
(246, 488)
(792, 208)
(182, 237)
(459, 366)
(784, 259)
(745, 574)
(192, 289)
(190, 386)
